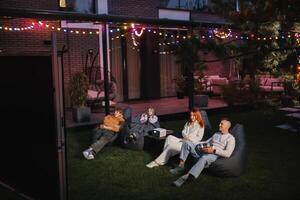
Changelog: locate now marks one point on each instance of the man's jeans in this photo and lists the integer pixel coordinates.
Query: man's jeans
(204, 160)
(101, 137)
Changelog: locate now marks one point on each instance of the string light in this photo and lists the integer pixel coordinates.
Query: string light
(222, 33)
(139, 34)
(137, 31)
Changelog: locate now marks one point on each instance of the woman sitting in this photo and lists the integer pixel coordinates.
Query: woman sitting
(193, 131)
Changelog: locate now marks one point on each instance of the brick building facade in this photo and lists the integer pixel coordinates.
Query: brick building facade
(35, 42)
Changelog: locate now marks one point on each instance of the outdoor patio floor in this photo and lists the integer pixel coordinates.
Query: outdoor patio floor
(164, 106)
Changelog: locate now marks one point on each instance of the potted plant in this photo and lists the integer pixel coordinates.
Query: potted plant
(200, 99)
(180, 85)
(78, 88)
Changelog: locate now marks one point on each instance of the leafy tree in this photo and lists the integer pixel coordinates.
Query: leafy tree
(264, 18)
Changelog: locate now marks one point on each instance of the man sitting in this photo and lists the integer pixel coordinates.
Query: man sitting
(105, 133)
(220, 144)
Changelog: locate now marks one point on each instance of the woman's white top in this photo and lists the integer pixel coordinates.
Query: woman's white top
(193, 131)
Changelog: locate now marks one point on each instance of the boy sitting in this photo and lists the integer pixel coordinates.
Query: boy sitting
(105, 133)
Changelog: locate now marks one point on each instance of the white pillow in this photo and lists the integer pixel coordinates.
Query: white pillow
(214, 76)
(92, 94)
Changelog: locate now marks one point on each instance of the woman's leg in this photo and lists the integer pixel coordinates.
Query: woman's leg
(172, 147)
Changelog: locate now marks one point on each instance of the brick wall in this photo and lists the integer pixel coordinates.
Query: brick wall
(33, 43)
(31, 4)
(140, 8)
(216, 68)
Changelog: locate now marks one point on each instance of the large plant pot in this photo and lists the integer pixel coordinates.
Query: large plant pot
(81, 114)
(180, 95)
(201, 100)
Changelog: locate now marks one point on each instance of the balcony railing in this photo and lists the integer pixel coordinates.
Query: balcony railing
(186, 4)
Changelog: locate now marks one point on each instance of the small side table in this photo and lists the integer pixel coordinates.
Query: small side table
(201, 100)
(155, 144)
(169, 132)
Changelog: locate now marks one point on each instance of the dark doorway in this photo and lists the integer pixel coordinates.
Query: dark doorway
(28, 134)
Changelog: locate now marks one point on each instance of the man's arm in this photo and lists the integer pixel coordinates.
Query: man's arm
(208, 150)
(228, 150)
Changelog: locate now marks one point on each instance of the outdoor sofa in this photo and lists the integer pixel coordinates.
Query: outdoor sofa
(268, 83)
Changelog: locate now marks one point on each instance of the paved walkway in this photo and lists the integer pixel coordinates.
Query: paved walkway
(293, 117)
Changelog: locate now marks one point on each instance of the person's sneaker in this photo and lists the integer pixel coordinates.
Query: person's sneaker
(88, 154)
(181, 180)
(152, 164)
(177, 170)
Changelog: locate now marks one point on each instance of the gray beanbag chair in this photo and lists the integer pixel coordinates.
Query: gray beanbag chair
(127, 116)
(208, 132)
(236, 163)
(134, 132)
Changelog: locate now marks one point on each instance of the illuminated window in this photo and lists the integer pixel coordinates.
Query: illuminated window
(63, 3)
(82, 6)
(187, 4)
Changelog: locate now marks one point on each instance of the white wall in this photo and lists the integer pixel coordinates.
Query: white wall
(102, 6)
(174, 14)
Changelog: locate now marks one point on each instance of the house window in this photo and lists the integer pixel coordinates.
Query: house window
(62, 3)
(186, 4)
(81, 6)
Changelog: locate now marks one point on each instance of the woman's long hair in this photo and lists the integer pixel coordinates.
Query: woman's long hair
(198, 117)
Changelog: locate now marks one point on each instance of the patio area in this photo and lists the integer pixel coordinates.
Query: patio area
(64, 55)
(164, 107)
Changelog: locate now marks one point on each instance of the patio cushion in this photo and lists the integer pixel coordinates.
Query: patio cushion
(96, 95)
(217, 83)
(92, 94)
(213, 76)
(262, 81)
(235, 164)
(270, 84)
(269, 81)
(272, 89)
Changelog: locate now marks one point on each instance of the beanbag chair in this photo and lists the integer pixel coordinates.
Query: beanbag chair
(143, 128)
(127, 114)
(134, 132)
(133, 141)
(125, 126)
(236, 163)
(208, 132)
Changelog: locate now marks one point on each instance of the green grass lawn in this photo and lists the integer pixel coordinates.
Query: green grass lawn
(117, 173)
